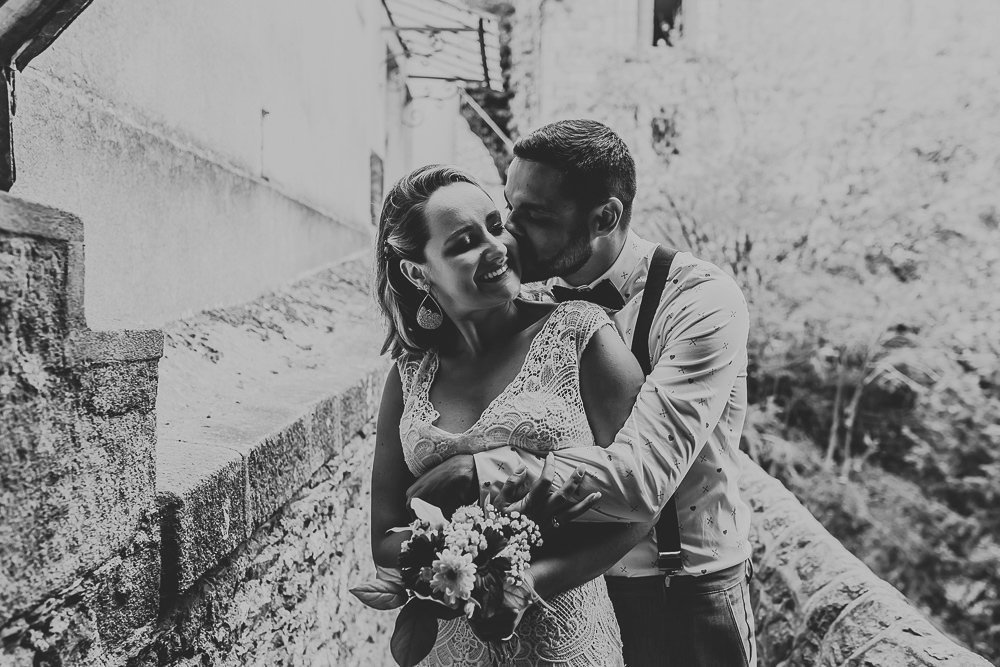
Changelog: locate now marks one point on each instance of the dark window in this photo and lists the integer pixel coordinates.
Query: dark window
(667, 23)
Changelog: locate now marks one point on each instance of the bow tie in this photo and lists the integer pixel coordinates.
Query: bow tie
(604, 294)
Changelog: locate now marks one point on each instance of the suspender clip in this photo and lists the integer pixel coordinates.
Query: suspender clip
(670, 562)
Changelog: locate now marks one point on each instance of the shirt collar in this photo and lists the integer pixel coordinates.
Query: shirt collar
(628, 272)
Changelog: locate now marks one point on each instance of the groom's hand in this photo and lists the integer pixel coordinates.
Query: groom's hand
(448, 485)
(550, 506)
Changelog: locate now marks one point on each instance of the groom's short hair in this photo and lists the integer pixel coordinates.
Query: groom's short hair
(595, 161)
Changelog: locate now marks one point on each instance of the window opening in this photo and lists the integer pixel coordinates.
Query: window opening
(667, 22)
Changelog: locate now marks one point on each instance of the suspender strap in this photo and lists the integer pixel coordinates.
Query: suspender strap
(656, 280)
(668, 532)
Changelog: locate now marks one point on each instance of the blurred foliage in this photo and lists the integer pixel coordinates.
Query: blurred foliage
(943, 560)
(855, 194)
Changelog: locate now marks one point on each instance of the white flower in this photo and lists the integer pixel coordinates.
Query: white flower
(467, 514)
(429, 513)
(454, 577)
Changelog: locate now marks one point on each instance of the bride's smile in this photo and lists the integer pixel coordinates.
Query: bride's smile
(470, 260)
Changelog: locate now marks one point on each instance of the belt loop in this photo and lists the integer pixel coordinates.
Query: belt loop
(750, 570)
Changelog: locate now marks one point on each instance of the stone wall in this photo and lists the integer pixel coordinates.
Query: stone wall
(816, 604)
(281, 596)
(231, 540)
(79, 553)
(263, 466)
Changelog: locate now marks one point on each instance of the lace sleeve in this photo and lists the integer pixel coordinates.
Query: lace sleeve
(589, 318)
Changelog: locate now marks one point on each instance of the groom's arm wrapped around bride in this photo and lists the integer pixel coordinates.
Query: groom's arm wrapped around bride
(610, 379)
(681, 434)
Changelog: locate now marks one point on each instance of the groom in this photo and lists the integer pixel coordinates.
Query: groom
(569, 192)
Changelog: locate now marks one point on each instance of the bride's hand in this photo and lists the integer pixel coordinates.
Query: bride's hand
(502, 622)
(519, 597)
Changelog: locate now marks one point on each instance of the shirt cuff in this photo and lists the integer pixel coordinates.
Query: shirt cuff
(494, 466)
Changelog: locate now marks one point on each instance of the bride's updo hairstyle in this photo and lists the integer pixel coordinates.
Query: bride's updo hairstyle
(403, 234)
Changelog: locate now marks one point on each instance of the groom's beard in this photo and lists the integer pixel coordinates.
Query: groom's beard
(567, 260)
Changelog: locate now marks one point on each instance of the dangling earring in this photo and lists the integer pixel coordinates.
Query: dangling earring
(429, 315)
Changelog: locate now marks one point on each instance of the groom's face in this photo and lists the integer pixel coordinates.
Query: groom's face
(551, 228)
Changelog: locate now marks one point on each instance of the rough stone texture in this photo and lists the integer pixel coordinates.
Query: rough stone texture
(100, 618)
(263, 473)
(816, 604)
(281, 597)
(253, 400)
(263, 464)
(76, 450)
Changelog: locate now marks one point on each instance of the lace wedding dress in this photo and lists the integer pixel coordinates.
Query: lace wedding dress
(540, 410)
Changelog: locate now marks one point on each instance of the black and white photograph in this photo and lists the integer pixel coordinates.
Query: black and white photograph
(499, 333)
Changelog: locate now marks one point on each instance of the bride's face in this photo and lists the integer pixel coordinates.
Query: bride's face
(471, 259)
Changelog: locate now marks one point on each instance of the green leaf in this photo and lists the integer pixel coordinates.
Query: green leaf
(380, 594)
(434, 607)
(414, 635)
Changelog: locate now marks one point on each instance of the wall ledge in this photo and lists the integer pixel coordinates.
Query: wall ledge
(20, 216)
(93, 347)
(253, 400)
(817, 604)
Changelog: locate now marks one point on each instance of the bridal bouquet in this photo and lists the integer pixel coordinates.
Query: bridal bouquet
(450, 569)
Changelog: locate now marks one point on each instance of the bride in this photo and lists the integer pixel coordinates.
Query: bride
(478, 368)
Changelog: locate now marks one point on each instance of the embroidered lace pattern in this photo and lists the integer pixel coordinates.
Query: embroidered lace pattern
(580, 631)
(540, 410)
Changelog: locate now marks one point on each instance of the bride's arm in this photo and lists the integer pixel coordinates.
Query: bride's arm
(390, 477)
(610, 379)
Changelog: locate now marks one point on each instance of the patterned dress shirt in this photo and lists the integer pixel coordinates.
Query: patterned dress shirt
(683, 433)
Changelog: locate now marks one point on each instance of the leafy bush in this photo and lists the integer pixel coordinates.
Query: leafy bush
(943, 561)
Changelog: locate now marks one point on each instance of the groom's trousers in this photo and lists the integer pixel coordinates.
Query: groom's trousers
(701, 621)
